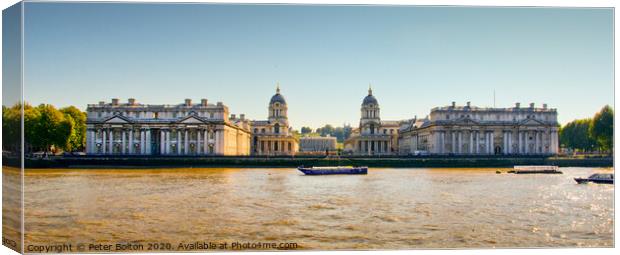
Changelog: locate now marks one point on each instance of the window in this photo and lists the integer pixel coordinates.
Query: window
(211, 115)
(447, 116)
(256, 130)
(372, 129)
(262, 130)
(156, 115)
(275, 146)
(385, 131)
(276, 128)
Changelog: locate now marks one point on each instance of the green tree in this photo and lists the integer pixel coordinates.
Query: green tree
(306, 130)
(77, 140)
(51, 129)
(11, 128)
(602, 128)
(575, 135)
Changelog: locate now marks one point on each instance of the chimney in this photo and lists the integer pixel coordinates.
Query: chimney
(131, 101)
(468, 104)
(242, 116)
(188, 102)
(203, 102)
(101, 103)
(233, 116)
(545, 106)
(517, 105)
(114, 101)
(531, 105)
(453, 104)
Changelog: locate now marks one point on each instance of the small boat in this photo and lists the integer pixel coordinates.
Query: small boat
(597, 178)
(535, 170)
(333, 170)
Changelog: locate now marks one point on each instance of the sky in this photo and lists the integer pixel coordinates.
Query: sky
(323, 57)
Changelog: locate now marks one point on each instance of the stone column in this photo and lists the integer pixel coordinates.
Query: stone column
(527, 142)
(103, 141)
(509, 142)
(486, 142)
(179, 142)
(123, 143)
(471, 142)
(186, 143)
(206, 142)
(168, 142)
(492, 142)
(131, 148)
(162, 142)
(453, 144)
(198, 143)
(89, 141)
(535, 142)
(459, 144)
(477, 141)
(148, 142)
(111, 137)
(141, 142)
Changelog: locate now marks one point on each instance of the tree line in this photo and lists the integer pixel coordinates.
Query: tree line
(46, 128)
(590, 134)
(341, 133)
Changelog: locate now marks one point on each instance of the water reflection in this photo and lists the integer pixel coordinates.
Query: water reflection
(386, 209)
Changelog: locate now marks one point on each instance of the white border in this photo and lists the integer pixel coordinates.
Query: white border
(524, 3)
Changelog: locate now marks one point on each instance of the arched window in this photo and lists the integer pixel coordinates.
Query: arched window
(276, 128)
(372, 129)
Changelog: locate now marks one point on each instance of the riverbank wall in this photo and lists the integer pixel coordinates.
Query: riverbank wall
(247, 162)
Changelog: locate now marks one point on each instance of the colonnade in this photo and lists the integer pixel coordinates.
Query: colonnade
(140, 141)
(370, 146)
(484, 142)
(275, 146)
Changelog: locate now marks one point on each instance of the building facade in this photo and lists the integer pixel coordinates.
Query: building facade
(273, 136)
(373, 136)
(317, 144)
(183, 129)
(469, 130)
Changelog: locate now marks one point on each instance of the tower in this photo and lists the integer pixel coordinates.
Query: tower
(278, 110)
(370, 120)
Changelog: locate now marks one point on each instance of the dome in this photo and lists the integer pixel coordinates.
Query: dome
(370, 99)
(277, 97)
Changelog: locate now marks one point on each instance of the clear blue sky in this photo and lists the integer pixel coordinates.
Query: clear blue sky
(323, 56)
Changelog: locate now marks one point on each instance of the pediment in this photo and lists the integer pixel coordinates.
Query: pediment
(465, 121)
(117, 120)
(532, 122)
(191, 120)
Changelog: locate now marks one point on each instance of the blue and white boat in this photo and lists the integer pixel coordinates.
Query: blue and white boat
(333, 170)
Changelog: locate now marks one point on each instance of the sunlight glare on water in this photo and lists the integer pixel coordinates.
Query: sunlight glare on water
(386, 209)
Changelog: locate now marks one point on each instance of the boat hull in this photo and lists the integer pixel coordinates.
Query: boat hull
(355, 170)
(586, 180)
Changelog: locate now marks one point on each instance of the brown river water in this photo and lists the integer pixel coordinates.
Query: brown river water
(386, 209)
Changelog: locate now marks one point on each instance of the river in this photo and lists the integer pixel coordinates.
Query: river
(386, 209)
